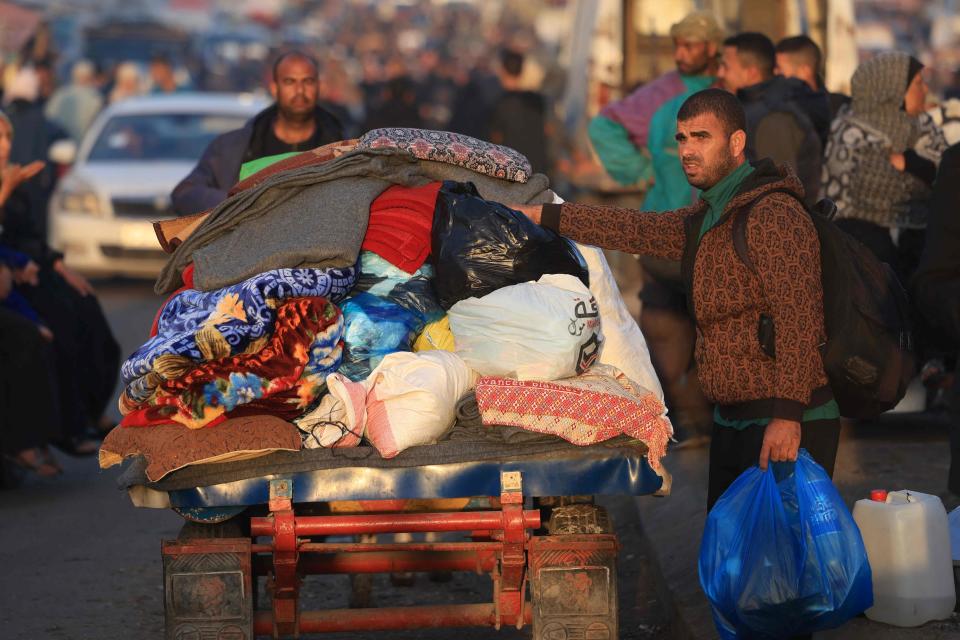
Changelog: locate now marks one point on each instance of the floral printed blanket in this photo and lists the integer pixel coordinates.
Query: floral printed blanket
(283, 378)
(205, 325)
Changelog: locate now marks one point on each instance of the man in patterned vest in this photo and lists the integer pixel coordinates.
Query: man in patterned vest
(758, 329)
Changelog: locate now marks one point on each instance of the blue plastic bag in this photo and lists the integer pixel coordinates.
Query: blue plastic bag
(781, 555)
(413, 292)
(373, 328)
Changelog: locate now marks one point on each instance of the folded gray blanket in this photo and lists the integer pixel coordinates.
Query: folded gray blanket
(469, 426)
(315, 216)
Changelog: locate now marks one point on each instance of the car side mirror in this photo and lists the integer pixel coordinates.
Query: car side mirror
(63, 152)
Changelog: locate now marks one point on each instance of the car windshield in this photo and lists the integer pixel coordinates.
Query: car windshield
(160, 136)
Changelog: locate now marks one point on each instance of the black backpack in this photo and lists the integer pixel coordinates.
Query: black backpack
(869, 354)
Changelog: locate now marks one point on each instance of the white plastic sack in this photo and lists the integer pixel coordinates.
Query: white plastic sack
(543, 330)
(412, 399)
(624, 345)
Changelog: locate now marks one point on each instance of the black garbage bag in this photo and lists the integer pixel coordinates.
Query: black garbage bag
(479, 246)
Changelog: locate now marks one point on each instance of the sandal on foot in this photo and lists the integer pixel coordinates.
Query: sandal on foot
(32, 460)
(79, 447)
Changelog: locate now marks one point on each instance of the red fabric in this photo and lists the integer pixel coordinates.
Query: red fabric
(401, 219)
(145, 418)
(187, 276)
(187, 284)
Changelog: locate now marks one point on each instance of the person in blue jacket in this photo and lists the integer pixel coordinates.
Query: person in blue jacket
(293, 123)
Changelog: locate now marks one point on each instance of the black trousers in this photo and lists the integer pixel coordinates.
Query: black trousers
(953, 481)
(87, 355)
(733, 451)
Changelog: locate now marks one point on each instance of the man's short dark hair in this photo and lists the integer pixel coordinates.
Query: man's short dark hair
(755, 50)
(804, 48)
(294, 53)
(512, 62)
(723, 104)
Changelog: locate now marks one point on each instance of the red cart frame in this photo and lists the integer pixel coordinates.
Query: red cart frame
(571, 571)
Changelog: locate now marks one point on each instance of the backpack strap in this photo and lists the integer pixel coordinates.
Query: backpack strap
(825, 208)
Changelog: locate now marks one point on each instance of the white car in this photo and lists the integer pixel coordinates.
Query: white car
(131, 158)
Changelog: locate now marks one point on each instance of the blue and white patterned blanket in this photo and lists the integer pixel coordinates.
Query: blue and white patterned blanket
(228, 320)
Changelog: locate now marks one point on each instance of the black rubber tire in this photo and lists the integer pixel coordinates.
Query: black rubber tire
(236, 527)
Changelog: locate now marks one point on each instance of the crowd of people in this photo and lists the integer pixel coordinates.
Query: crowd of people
(59, 357)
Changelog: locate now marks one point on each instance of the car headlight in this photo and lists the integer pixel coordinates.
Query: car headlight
(79, 199)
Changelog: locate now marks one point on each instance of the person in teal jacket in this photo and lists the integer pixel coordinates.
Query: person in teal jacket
(634, 137)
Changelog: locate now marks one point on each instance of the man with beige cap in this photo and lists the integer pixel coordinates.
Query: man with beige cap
(634, 138)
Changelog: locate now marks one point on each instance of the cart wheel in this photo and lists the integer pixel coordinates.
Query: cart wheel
(361, 584)
(546, 505)
(578, 519)
(573, 570)
(233, 528)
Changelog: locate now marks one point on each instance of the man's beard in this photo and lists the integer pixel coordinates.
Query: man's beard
(696, 69)
(299, 115)
(712, 175)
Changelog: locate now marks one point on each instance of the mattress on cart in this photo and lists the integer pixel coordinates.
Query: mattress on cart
(448, 469)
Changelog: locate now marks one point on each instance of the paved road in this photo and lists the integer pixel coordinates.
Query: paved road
(79, 562)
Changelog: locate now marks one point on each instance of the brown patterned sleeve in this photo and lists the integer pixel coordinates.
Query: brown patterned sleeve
(648, 233)
(784, 247)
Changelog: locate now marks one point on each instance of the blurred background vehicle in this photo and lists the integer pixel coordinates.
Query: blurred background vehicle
(232, 58)
(121, 177)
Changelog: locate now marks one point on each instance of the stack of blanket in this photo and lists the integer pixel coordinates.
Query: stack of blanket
(318, 267)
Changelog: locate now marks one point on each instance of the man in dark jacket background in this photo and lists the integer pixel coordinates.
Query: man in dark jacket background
(936, 285)
(786, 120)
(800, 57)
(293, 123)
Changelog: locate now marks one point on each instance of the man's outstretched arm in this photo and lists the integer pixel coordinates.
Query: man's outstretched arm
(621, 229)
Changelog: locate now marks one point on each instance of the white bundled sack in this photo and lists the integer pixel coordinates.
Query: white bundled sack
(624, 346)
(543, 330)
(412, 399)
